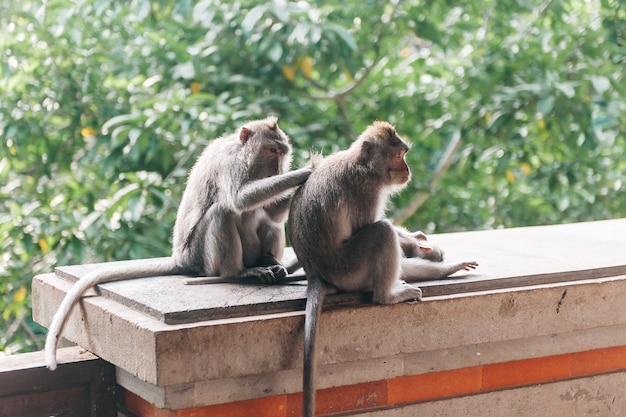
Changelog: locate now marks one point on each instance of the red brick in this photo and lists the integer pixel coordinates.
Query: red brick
(599, 361)
(352, 397)
(342, 399)
(526, 371)
(261, 407)
(143, 408)
(433, 385)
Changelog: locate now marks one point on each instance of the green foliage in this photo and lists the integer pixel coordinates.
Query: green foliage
(516, 109)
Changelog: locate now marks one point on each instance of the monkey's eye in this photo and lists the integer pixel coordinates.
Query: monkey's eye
(273, 150)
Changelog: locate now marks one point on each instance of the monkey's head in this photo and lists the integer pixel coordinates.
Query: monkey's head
(383, 151)
(428, 250)
(267, 147)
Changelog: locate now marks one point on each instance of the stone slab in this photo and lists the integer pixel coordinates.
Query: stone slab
(160, 354)
(508, 258)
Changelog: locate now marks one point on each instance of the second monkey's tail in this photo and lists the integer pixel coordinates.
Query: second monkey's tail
(315, 292)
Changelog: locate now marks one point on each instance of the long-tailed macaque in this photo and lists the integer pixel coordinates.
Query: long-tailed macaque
(230, 222)
(339, 234)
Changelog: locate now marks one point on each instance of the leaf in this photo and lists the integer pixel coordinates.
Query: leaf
(43, 245)
(88, 220)
(600, 83)
(185, 71)
(510, 177)
(289, 72)
(20, 294)
(306, 66)
(275, 52)
(121, 196)
(348, 39)
(136, 206)
(117, 120)
(503, 164)
(251, 19)
(567, 88)
(545, 105)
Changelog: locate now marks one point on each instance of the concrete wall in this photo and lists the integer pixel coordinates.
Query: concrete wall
(491, 344)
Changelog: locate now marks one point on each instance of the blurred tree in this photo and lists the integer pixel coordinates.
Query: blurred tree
(517, 112)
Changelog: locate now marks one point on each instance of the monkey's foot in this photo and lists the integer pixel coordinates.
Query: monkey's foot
(402, 292)
(272, 274)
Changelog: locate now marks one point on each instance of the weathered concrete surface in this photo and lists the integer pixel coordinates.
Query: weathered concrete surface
(508, 258)
(220, 357)
(237, 359)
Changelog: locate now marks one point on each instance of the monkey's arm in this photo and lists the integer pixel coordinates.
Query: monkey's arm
(418, 269)
(257, 193)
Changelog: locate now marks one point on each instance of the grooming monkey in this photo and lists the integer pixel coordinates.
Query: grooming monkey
(339, 234)
(230, 222)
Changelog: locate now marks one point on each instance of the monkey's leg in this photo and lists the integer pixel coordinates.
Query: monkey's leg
(272, 236)
(373, 260)
(232, 250)
(263, 245)
(272, 239)
(222, 251)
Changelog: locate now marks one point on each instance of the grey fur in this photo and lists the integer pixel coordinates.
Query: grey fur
(339, 234)
(230, 222)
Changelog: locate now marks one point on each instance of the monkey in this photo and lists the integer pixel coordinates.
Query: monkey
(340, 236)
(230, 222)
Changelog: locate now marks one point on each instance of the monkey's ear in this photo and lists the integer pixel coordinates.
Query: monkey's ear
(367, 148)
(245, 134)
(426, 247)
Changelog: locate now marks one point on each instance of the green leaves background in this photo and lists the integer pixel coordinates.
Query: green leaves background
(516, 110)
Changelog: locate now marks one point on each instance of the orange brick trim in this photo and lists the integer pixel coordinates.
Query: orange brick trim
(411, 389)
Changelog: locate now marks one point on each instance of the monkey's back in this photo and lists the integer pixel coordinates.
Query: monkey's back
(328, 209)
(202, 190)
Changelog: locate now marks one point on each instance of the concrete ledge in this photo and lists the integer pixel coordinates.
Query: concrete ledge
(540, 292)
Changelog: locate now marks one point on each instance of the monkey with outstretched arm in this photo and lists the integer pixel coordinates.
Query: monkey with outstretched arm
(339, 234)
(230, 222)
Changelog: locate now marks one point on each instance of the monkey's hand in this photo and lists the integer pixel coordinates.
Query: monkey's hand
(302, 173)
(468, 266)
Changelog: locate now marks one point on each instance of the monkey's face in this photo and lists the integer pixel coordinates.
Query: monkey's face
(393, 149)
(274, 155)
(399, 171)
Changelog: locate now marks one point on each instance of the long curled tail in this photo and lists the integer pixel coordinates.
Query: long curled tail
(98, 276)
(315, 293)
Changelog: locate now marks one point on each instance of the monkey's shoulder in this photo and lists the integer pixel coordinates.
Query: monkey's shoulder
(223, 146)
